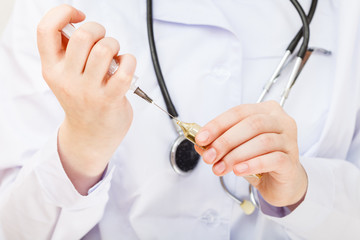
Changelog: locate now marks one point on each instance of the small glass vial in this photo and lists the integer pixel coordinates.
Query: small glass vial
(190, 130)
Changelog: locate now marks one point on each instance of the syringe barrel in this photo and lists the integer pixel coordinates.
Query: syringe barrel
(69, 29)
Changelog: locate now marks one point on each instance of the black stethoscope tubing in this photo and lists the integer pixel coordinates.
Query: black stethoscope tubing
(303, 33)
(159, 76)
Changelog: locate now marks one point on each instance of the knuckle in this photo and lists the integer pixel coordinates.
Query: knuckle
(266, 140)
(114, 43)
(273, 104)
(121, 81)
(123, 76)
(66, 7)
(292, 122)
(239, 110)
(43, 26)
(65, 89)
(102, 50)
(289, 124)
(83, 35)
(47, 75)
(130, 57)
(100, 27)
(111, 43)
(90, 32)
(280, 158)
(87, 99)
(256, 123)
(214, 125)
(67, 10)
(94, 26)
(222, 143)
(41, 29)
(229, 160)
(260, 165)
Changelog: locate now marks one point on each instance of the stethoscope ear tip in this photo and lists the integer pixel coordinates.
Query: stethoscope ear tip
(247, 206)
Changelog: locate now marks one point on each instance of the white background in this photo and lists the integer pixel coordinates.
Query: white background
(5, 11)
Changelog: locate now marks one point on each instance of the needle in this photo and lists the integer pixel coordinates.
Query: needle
(165, 111)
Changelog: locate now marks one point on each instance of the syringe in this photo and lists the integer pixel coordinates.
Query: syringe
(190, 129)
(69, 29)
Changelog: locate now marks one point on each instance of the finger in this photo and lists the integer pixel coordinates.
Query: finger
(222, 123)
(99, 60)
(49, 36)
(262, 164)
(241, 132)
(259, 145)
(199, 150)
(81, 45)
(119, 83)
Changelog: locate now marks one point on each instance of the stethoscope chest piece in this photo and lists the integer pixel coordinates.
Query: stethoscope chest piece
(183, 157)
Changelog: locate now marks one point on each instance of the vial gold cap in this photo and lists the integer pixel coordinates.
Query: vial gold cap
(190, 130)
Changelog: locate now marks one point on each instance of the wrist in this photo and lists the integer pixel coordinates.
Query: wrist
(300, 189)
(83, 157)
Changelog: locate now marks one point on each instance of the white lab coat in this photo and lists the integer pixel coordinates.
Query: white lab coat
(214, 55)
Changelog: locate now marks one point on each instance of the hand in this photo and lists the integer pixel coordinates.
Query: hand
(257, 138)
(97, 113)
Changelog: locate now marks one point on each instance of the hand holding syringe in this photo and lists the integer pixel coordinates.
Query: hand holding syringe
(69, 29)
(189, 129)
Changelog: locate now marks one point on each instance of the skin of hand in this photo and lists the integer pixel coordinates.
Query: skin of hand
(97, 113)
(257, 138)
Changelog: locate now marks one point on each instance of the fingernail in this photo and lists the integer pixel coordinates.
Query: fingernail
(202, 136)
(209, 156)
(219, 167)
(241, 167)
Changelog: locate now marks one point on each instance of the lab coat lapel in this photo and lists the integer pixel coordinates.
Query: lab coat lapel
(189, 13)
(343, 97)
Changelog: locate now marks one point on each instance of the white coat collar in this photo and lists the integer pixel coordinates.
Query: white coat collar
(189, 13)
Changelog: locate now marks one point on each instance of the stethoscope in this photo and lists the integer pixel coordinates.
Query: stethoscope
(183, 157)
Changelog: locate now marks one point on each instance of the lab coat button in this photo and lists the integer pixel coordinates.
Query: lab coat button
(221, 74)
(210, 218)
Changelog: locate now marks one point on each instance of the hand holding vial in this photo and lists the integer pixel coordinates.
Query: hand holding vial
(257, 138)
